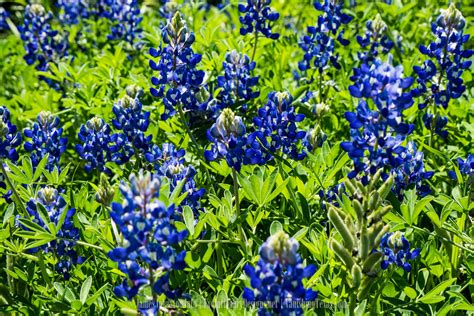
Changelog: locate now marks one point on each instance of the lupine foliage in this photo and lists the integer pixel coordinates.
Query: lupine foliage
(243, 157)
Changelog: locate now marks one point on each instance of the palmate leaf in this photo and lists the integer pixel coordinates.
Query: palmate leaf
(259, 187)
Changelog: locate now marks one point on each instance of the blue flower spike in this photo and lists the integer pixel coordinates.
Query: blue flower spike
(147, 253)
(277, 280)
(396, 250)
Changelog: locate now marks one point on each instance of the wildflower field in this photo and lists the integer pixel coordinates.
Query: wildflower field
(236, 157)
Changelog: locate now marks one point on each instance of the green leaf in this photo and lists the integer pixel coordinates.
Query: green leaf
(275, 227)
(189, 219)
(43, 213)
(40, 167)
(16, 174)
(200, 306)
(27, 167)
(301, 233)
(410, 292)
(96, 295)
(177, 192)
(8, 213)
(85, 288)
(32, 225)
(433, 296)
(222, 304)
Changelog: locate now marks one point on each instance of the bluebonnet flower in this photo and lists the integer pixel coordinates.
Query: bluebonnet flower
(384, 84)
(436, 123)
(276, 126)
(258, 18)
(411, 172)
(439, 83)
(396, 250)
(126, 18)
(72, 11)
(318, 45)
(133, 124)
(229, 140)
(315, 138)
(168, 8)
(332, 195)
(169, 162)
(278, 278)
(377, 135)
(147, 254)
(375, 40)
(66, 236)
(237, 84)
(42, 44)
(4, 15)
(178, 82)
(46, 139)
(10, 139)
(466, 167)
(98, 146)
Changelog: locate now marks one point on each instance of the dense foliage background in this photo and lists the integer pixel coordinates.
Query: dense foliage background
(59, 261)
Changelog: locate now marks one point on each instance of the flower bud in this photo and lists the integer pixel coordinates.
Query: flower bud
(356, 275)
(105, 192)
(341, 227)
(342, 253)
(451, 18)
(134, 91)
(280, 247)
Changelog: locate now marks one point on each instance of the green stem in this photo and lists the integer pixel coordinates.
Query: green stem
(15, 193)
(320, 87)
(82, 243)
(352, 303)
(255, 44)
(188, 130)
(194, 141)
(236, 192)
(152, 281)
(215, 241)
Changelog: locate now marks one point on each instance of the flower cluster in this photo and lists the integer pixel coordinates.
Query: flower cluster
(46, 139)
(4, 15)
(396, 250)
(169, 162)
(237, 84)
(276, 126)
(441, 82)
(466, 167)
(411, 172)
(258, 18)
(229, 140)
(375, 39)
(42, 44)
(63, 245)
(126, 19)
(10, 139)
(133, 124)
(147, 254)
(168, 8)
(377, 135)
(332, 195)
(72, 11)
(318, 45)
(315, 138)
(278, 278)
(179, 82)
(97, 148)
